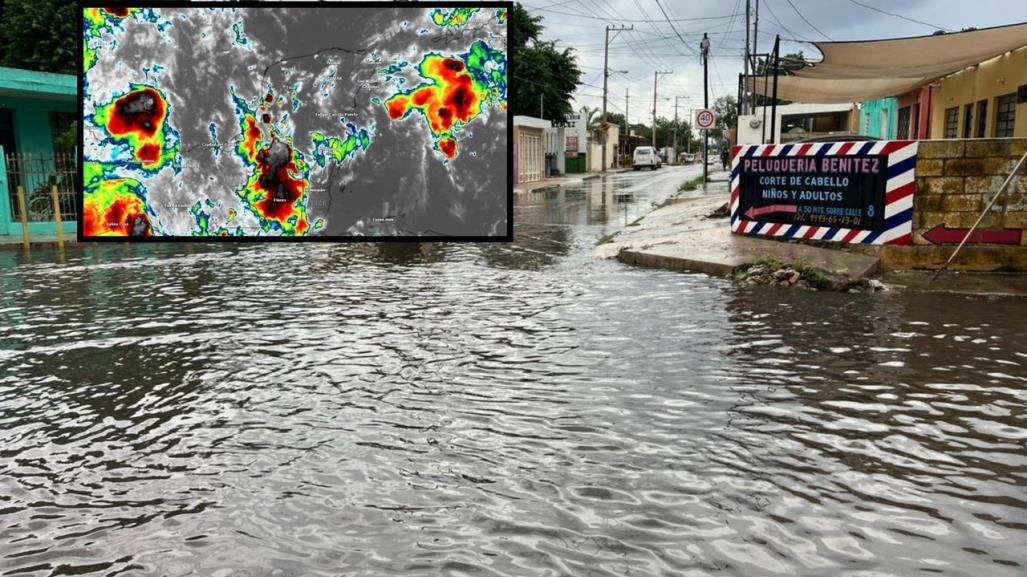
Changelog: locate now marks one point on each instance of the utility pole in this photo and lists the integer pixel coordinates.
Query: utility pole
(541, 99)
(656, 77)
(745, 64)
(676, 98)
(627, 121)
(705, 51)
(606, 78)
(755, 35)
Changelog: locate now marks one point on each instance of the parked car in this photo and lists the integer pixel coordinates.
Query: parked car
(688, 157)
(646, 156)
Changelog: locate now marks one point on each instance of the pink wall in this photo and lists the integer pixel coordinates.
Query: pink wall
(920, 126)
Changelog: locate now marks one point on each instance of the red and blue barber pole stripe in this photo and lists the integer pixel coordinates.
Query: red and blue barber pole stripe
(898, 202)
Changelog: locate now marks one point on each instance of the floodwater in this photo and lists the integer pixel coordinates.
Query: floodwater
(498, 410)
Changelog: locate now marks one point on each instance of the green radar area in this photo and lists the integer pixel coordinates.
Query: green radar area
(360, 122)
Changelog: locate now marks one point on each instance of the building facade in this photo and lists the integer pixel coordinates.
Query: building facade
(985, 101)
(36, 108)
(913, 118)
(798, 121)
(529, 136)
(879, 118)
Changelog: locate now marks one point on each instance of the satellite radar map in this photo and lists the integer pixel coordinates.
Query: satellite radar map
(318, 121)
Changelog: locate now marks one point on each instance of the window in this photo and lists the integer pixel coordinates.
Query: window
(60, 123)
(1005, 115)
(982, 117)
(903, 129)
(968, 121)
(916, 120)
(951, 122)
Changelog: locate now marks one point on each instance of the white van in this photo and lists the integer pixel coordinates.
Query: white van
(646, 156)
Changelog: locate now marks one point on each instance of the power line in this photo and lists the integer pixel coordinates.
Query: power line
(876, 9)
(642, 20)
(807, 21)
(766, 3)
(667, 17)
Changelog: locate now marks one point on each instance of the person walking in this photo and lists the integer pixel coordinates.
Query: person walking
(723, 157)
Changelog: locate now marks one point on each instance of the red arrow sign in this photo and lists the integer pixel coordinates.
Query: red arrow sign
(754, 212)
(941, 234)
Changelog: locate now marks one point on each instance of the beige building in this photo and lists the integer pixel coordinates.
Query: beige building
(988, 100)
(529, 148)
(595, 150)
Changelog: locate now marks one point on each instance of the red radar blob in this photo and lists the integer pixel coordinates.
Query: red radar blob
(119, 12)
(141, 112)
(462, 98)
(119, 219)
(397, 108)
(448, 146)
(269, 98)
(280, 189)
(148, 153)
(266, 118)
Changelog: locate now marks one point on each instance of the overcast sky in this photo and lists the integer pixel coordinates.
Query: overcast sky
(655, 42)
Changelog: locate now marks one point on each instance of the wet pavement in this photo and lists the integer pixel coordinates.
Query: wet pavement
(513, 410)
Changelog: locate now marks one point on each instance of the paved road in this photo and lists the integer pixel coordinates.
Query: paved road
(614, 201)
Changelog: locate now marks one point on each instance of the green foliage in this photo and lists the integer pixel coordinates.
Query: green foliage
(68, 139)
(524, 28)
(726, 108)
(607, 238)
(813, 276)
(789, 64)
(543, 76)
(768, 262)
(40, 34)
(665, 133)
(691, 184)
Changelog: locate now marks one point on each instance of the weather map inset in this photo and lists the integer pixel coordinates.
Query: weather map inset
(300, 120)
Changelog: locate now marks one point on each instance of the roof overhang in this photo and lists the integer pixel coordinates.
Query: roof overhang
(866, 70)
(29, 83)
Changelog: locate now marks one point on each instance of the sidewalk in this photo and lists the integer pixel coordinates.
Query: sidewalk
(556, 181)
(10, 242)
(681, 236)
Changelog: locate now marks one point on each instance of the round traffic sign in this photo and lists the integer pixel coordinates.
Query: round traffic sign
(705, 119)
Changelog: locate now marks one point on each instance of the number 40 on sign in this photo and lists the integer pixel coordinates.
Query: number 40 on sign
(705, 119)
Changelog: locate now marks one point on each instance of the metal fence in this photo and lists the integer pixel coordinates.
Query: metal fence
(37, 174)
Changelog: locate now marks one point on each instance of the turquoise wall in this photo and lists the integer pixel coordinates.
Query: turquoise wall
(871, 118)
(32, 134)
(32, 121)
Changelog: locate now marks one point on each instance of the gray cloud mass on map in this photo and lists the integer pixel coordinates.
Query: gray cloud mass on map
(398, 186)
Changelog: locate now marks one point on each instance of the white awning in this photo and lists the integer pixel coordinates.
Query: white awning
(865, 70)
(919, 56)
(800, 89)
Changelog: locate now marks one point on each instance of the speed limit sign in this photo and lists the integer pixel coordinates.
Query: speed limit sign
(705, 119)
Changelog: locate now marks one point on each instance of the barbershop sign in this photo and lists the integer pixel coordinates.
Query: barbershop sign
(853, 192)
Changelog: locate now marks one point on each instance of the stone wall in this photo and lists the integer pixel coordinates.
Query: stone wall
(956, 178)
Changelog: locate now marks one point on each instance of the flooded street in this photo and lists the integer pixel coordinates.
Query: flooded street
(498, 410)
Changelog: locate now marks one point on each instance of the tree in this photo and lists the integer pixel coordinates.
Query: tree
(615, 118)
(790, 63)
(40, 34)
(543, 76)
(726, 109)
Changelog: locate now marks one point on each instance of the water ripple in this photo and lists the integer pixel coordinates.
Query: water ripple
(497, 410)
